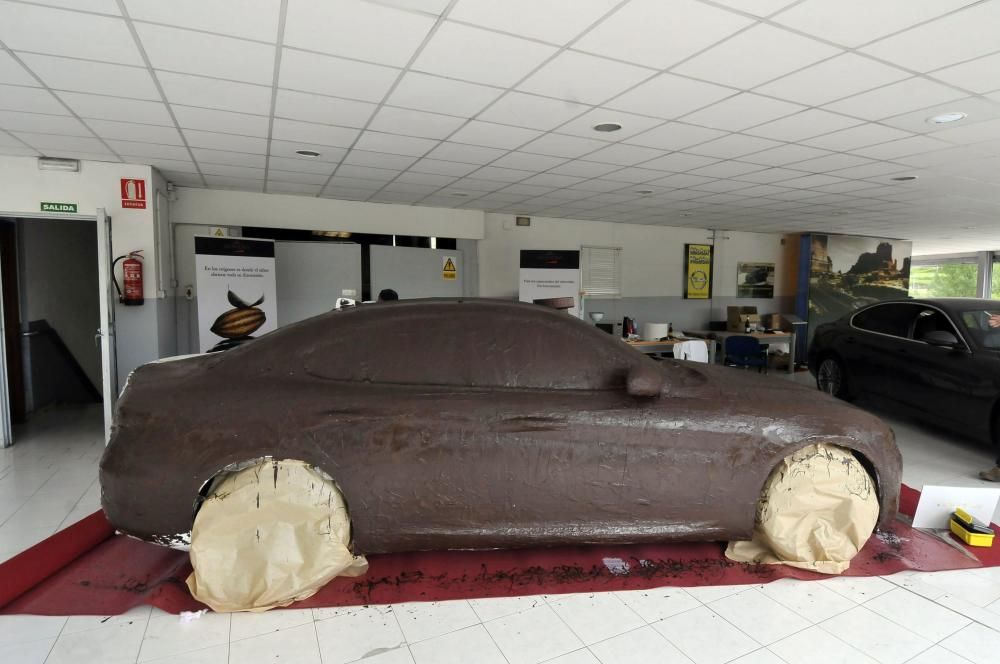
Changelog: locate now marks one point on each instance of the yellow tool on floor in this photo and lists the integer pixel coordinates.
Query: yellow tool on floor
(969, 529)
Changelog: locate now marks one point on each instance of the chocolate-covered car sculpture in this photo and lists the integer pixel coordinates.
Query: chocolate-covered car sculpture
(475, 424)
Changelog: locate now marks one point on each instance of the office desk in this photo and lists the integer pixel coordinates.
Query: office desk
(763, 337)
(667, 346)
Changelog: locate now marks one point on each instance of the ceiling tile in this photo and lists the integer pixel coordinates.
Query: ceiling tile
(409, 188)
(312, 72)
(534, 112)
(472, 184)
(414, 123)
(972, 133)
(977, 109)
(857, 137)
(54, 145)
(256, 19)
(467, 154)
(895, 99)
(831, 162)
(501, 174)
(903, 148)
(480, 56)
(674, 136)
(378, 160)
(625, 155)
(215, 141)
(806, 124)
(978, 75)
(211, 93)
(558, 145)
(301, 165)
(434, 7)
(12, 73)
(493, 135)
(727, 169)
(631, 124)
(811, 181)
(585, 169)
(232, 171)
(742, 111)
(660, 34)
(426, 179)
(374, 141)
(95, 6)
(770, 175)
(668, 96)
(838, 77)
(382, 175)
(528, 162)
(776, 52)
(786, 154)
(192, 52)
(189, 117)
(277, 187)
(838, 20)
(239, 184)
(286, 149)
(30, 100)
(681, 180)
(312, 134)
(324, 110)
(756, 7)
(869, 170)
(733, 145)
(584, 78)
(94, 77)
(433, 93)
(71, 34)
(356, 29)
(42, 124)
(151, 150)
(182, 179)
(128, 131)
(634, 175)
(678, 162)
(553, 180)
(961, 36)
(442, 167)
(555, 21)
(117, 108)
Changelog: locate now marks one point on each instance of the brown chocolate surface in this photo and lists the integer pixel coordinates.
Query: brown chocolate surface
(475, 424)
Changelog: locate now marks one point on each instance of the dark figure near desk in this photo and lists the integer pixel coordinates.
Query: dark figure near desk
(388, 295)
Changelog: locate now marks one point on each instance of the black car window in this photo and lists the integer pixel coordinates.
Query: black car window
(984, 326)
(931, 320)
(891, 319)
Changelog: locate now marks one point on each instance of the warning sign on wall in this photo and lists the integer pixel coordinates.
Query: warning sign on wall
(133, 193)
(448, 269)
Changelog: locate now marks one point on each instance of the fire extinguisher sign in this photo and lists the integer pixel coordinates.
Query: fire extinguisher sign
(133, 193)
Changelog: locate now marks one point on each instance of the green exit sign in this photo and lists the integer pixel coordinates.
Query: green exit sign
(59, 207)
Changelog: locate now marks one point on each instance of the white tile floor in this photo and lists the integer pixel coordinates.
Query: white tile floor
(48, 480)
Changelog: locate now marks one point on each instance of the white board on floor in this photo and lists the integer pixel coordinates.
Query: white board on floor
(938, 502)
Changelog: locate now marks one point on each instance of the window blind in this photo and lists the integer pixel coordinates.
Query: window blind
(602, 272)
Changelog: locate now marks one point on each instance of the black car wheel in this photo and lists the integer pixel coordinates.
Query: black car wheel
(831, 377)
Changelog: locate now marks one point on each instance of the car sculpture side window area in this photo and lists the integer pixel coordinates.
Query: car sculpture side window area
(465, 349)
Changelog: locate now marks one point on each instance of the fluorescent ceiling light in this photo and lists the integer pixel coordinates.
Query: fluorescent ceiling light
(54, 164)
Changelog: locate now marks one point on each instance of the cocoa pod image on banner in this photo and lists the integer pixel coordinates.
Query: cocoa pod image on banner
(237, 323)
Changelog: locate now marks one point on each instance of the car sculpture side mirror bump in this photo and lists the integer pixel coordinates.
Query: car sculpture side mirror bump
(644, 380)
(942, 339)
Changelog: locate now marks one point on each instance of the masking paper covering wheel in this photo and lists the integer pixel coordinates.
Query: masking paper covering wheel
(269, 535)
(816, 511)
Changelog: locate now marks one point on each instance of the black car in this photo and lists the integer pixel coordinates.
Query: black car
(939, 358)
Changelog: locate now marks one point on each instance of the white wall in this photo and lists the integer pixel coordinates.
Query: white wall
(242, 208)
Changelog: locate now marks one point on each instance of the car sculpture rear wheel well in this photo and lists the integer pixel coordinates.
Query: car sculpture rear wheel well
(206, 487)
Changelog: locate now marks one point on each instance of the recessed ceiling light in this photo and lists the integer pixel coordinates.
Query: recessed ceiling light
(643, 191)
(607, 127)
(945, 118)
(905, 178)
(307, 153)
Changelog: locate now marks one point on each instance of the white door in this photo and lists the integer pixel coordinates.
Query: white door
(106, 333)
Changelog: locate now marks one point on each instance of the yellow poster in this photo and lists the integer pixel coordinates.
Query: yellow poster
(448, 269)
(698, 275)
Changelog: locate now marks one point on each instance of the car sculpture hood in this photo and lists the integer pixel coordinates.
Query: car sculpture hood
(475, 424)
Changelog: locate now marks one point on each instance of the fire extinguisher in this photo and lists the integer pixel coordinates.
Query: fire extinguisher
(131, 277)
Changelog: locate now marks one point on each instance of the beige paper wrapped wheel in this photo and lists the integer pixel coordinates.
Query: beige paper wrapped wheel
(269, 535)
(816, 511)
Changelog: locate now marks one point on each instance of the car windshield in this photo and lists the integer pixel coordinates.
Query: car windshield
(983, 326)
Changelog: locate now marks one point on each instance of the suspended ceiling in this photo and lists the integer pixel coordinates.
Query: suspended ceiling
(766, 115)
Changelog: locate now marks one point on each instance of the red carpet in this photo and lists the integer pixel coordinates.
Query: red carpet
(86, 570)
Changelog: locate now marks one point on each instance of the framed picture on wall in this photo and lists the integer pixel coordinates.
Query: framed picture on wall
(755, 280)
(697, 271)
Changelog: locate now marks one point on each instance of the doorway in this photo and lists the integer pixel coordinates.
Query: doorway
(53, 308)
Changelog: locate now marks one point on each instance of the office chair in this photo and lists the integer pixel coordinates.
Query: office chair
(744, 351)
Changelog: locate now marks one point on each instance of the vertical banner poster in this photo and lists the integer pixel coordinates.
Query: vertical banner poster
(755, 280)
(236, 291)
(697, 271)
(551, 278)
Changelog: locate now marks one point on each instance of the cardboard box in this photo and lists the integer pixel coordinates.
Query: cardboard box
(738, 317)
